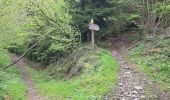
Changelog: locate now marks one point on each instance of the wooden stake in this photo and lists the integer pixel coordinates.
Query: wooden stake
(92, 36)
(92, 40)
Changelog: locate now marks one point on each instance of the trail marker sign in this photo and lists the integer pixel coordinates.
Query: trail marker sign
(94, 27)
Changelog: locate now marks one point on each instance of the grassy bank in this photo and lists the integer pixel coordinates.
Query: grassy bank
(92, 83)
(11, 84)
(153, 57)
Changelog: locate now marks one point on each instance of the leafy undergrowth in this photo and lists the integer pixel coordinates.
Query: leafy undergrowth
(153, 56)
(92, 82)
(11, 84)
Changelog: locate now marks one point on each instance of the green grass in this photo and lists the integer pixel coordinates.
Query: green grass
(11, 84)
(92, 85)
(152, 57)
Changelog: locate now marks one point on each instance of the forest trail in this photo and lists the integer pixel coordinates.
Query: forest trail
(32, 92)
(132, 82)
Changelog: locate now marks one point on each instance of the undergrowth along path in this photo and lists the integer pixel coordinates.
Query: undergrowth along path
(132, 82)
(32, 92)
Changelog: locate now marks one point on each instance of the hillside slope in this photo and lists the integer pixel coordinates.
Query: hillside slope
(153, 57)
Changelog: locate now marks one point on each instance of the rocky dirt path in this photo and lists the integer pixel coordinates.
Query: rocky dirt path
(32, 92)
(132, 83)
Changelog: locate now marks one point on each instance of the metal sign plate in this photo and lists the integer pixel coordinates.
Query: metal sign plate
(94, 27)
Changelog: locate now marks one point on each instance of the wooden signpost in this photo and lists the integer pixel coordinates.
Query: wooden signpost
(93, 27)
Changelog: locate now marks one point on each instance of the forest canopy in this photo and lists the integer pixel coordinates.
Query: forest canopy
(60, 25)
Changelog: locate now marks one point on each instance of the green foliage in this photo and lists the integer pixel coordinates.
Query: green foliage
(153, 56)
(93, 82)
(51, 25)
(38, 20)
(111, 15)
(154, 15)
(81, 60)
(12, 20)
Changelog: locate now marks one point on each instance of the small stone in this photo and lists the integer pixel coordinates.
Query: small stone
(127, 67)
(149, 82)
(120, 84)
(155, 96)
(134, 92)
(123, 99)
(133, 96)
(138, 88)
(128, 72)
(106, 98)
(126, 93)
(127, 75)
(144, 79)
(123, 62)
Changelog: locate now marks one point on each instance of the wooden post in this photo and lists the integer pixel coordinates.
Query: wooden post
(92, 40)
(92, 36)
(93, 27)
